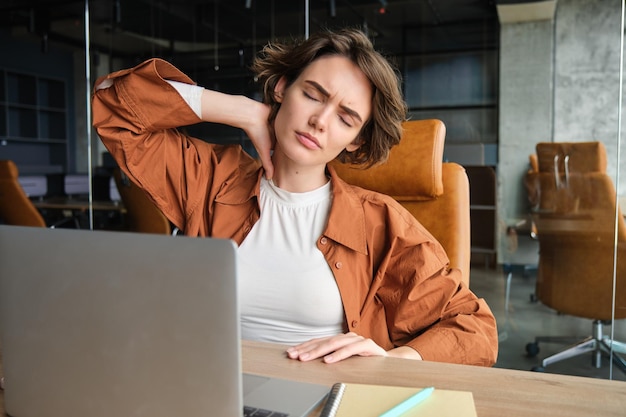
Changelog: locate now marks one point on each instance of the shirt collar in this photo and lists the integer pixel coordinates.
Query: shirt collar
(346, 222)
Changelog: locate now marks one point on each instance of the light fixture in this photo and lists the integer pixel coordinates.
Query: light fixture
(383, 7)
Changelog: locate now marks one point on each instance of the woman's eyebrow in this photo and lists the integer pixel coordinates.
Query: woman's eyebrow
(325, 93)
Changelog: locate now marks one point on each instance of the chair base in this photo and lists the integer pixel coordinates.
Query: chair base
(598, 344)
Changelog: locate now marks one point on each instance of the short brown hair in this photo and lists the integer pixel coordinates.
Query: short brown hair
(384, 128)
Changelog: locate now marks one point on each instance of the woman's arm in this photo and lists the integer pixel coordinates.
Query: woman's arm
(465, 332)
(138, 112)
(442, 319)
(232, 110)
(243, 113)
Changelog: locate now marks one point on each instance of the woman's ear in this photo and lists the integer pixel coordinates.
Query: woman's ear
(279, 89)
(354, 145)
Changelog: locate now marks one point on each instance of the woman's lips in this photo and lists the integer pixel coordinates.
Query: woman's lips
(308, 141)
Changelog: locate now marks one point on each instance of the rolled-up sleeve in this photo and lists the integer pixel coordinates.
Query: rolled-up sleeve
(437, 315)
(466, 330)
(136, 113)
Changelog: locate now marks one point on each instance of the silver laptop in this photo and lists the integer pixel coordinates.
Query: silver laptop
(119, 324)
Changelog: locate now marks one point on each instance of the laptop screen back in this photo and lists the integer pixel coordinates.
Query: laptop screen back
(113, 323)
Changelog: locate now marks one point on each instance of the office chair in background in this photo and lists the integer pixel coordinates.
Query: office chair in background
(436, 193)
(15, 207)
(575, 225)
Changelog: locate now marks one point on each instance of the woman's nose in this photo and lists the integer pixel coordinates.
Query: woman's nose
(319, 120)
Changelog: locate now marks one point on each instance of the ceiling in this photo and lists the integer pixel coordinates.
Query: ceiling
(226, 33)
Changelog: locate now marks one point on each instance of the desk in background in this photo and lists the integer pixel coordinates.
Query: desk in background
(107, 214)
(497, 392)
(75, 204)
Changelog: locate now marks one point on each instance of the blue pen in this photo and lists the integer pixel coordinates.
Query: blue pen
(409, 403)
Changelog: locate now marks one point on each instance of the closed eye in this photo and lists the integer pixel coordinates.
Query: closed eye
(317, 93)
(310, 96)
(345, 121)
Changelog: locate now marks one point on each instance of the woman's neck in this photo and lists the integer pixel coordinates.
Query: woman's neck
(297, 178)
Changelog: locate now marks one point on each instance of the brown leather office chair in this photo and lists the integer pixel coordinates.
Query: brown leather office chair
(575, 219)
(15, 206)
(436, 193)
(142, 214)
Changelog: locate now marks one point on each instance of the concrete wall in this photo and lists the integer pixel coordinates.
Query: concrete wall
(526, 115)
(587, 74)
(559, 81)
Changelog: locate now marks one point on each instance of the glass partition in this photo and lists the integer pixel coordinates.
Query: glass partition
(618, 334)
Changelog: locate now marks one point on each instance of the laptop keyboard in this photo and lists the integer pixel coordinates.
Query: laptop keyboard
(259, 412)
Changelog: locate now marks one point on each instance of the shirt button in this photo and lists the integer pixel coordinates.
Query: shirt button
(354, 323)
(323, 240)
(338, 265)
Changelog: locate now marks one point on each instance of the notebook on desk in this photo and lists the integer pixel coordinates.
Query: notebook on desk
(120, 324)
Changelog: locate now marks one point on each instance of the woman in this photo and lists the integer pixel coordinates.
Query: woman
(331, 269)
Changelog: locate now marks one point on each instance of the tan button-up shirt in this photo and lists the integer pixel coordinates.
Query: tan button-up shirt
(392, 275)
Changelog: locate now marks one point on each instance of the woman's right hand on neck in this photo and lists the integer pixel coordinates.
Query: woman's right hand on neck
(243, 113)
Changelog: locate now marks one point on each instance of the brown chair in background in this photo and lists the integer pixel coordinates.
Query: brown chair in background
(15, 207)
(575, 220)
(142, 214)
(436, 193)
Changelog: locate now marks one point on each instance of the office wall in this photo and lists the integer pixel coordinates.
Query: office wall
(525, 104)
(27, 57)
(460, 88)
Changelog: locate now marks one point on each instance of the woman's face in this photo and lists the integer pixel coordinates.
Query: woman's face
(322, 111)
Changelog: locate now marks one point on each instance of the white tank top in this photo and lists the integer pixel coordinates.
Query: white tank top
(287, 291)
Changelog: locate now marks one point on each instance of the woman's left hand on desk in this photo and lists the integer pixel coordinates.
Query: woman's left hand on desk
(336, 348)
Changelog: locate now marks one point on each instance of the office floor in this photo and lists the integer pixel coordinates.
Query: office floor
(527, 319)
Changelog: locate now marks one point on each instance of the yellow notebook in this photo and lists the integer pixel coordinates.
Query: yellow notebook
(349, 400)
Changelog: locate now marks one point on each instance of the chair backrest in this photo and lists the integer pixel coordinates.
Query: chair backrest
(571, 179)
(142, 214)
(575, 225)
(436, 193)
(15, 206)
